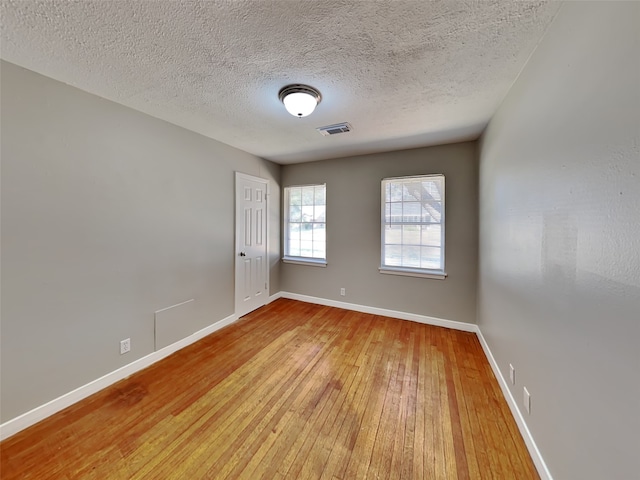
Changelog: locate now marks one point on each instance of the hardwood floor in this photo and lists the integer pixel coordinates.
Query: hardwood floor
(291, 391)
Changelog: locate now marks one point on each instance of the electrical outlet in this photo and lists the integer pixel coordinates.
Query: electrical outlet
(526, 399)
(343, 292)
(125, 346)
(512, 374)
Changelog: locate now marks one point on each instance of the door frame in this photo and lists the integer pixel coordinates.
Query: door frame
(267, 183)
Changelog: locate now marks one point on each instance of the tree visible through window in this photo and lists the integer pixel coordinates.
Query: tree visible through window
(305, 222)
(413, 224)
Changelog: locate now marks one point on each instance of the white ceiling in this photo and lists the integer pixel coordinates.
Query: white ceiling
(404, 73)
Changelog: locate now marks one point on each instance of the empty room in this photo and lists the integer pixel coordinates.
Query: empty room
(290, 239)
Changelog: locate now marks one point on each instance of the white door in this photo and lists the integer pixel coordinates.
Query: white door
(252, 275)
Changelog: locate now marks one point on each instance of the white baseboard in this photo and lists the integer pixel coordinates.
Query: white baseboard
(27, 419)
(541, 466)
(274, 297)
(31, 417)
(438, 322)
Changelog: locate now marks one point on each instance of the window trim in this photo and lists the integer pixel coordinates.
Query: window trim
(294, 259)
(439, 274)
(413, 272)
(314, 262)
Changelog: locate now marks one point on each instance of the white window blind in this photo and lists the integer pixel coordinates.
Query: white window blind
(413, 225)
(305, 228)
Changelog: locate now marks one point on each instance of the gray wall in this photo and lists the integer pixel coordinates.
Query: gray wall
(559, 283)
(107, 216)
(353, 232)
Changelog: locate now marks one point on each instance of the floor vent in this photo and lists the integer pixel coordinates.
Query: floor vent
(335, 129)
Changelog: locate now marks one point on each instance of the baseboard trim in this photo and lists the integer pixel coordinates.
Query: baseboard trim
(274, 297)
(15, 425)
(541, 466)
(539, 462)
(32, 417)
(438, 322)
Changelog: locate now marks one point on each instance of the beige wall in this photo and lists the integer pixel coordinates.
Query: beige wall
(353, 232)
(559, 283)
(107, 216)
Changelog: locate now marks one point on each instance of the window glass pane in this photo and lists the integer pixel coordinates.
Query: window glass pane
(411, 212)
(396, 212)
(411, 234)
(306, 223)
(395, 192)
(393, 255)
(393, 234)
(308, 195)
(319, 234)
(307, 213)
(306, 248)
(411, 256)
(431, 212)
(411, 192)
(294, 249)
(430, 258)
(294, 231)
(413, 231)
(293, 239)
(306, 231)
(319, 211)
(431, 235)
(295, 213)
(319, 250)
(295, 196)
(431, 189)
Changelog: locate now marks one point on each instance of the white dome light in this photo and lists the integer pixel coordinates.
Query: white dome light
(299, 100)
(300, 104)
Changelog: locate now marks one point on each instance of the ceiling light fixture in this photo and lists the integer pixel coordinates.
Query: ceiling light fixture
(299, 100)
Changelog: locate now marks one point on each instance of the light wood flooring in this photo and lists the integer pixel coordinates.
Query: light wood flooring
(290, 391)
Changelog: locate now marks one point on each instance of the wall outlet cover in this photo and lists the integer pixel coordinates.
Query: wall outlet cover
(125, 346)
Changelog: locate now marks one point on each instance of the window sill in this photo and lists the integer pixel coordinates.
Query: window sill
(410, 272)
(312, 262)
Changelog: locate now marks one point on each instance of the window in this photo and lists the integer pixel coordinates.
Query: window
(305, 228)
(413, 226)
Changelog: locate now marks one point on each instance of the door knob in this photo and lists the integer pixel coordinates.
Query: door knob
(242, 254)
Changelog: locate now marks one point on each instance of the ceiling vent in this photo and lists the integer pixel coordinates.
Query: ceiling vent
(335, 129)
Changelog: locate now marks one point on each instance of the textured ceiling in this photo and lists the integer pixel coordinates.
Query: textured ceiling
(404, 73)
